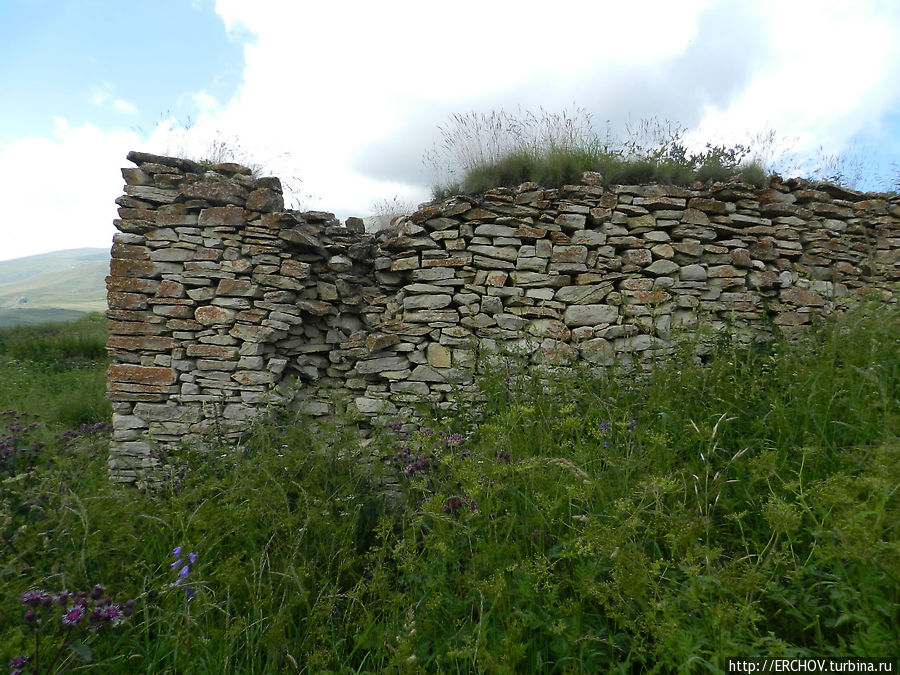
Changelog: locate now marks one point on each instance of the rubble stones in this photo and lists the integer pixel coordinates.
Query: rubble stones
(220, 300)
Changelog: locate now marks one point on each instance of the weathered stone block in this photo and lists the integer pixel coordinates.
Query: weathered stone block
(250, 333)
(437, 301)
(570, 222)
(122, 372)
(662, 267)
(378, 365)
(590, 315)
(583, 295)
(637, 256)
(438, 356)
(238, 287)
(212, 315)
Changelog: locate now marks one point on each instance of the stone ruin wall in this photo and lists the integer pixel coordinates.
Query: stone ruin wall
(221, 301)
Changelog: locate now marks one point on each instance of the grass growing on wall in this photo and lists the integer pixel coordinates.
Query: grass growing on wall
(749, 506)
(480, 151)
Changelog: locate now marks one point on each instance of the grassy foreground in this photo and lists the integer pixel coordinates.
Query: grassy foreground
(749, 506)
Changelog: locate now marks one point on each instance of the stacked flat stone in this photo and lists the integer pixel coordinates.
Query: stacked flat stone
(215, 294)
(221, 301)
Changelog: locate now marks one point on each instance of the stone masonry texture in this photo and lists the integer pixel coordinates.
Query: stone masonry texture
(221, 302)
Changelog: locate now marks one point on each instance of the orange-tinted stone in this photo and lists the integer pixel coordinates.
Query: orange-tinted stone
(143, 343)
(126, 300)
(152, 375)
(131, 285)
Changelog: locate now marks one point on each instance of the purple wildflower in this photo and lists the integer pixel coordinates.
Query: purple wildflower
(182, 575)
(19, 661)
(455, 504)
(112, 614)
(74, 615)
(97, 592)
(184, 568)
(33, 598)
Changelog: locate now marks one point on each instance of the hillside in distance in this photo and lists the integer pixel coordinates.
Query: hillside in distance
(57, 286)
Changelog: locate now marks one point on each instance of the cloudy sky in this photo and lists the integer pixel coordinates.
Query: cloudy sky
(344, 98)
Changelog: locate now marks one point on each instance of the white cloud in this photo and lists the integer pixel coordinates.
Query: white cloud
(325, 85)
(354, 93)
(125, 106)
(62, 189)
(348, 96)
(102, 95)
(830, 74)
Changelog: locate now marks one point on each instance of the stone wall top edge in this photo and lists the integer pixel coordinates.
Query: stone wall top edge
(731, 191)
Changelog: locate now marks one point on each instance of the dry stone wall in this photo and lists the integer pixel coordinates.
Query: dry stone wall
(221, 302)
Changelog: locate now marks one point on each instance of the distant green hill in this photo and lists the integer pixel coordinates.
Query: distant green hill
(57, 286)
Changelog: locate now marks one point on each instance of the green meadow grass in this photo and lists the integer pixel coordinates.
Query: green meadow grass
(56, 371)
(52, 287)
(746, 506)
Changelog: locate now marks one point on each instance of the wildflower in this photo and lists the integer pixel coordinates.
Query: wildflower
(74, 615)
(396, 426)
(454, 504)
(184, 568)
(17, 662)
(30, 617)
(97, 592)
(182, 575)
(33, 598)
(112, 614)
